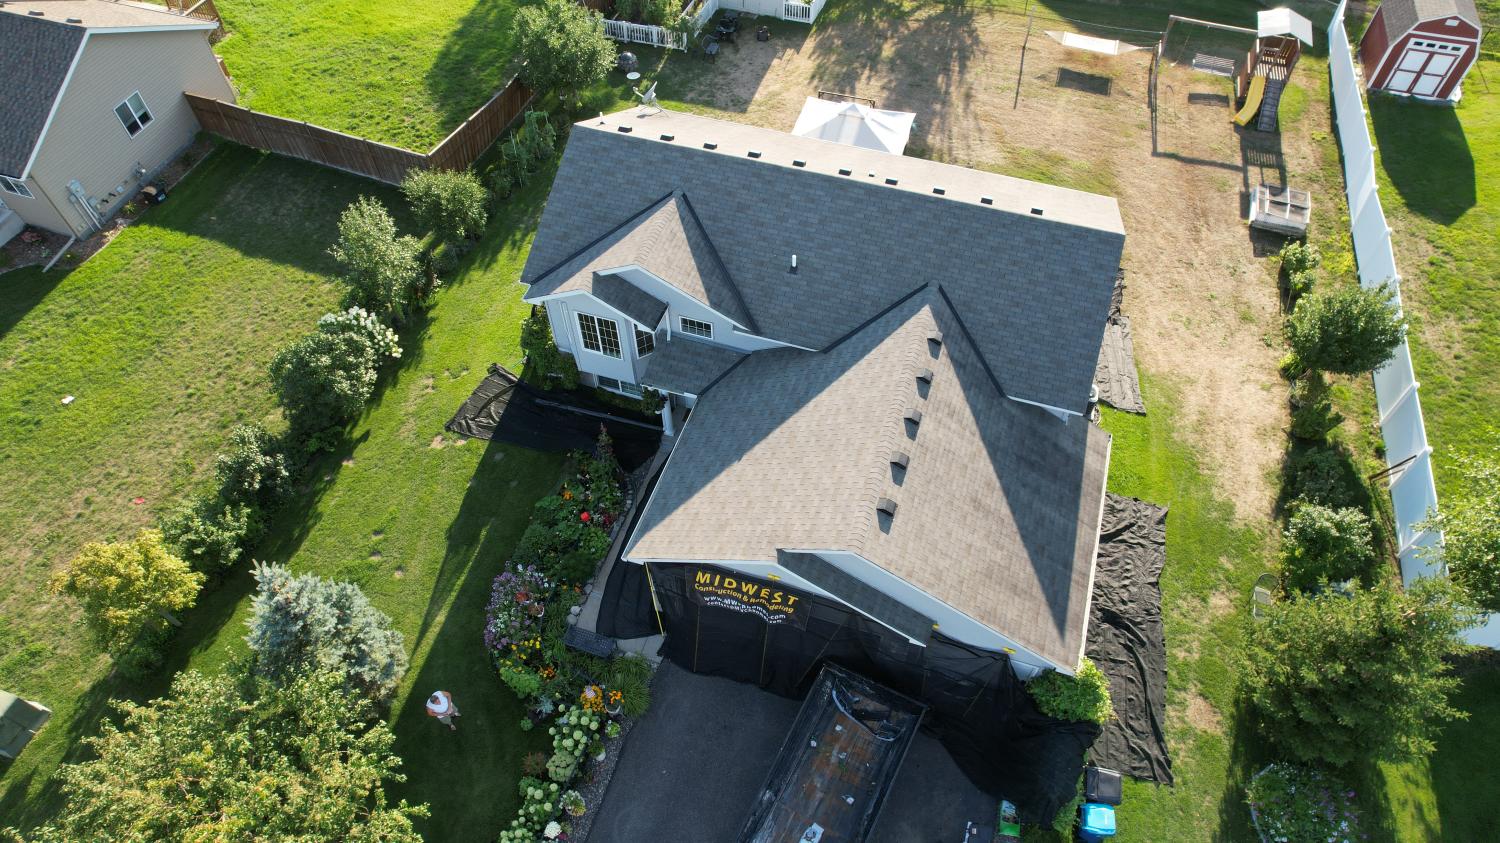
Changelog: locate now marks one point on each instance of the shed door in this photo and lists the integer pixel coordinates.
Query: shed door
(1423, 67)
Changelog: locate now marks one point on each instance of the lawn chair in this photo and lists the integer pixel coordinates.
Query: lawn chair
(19, 722)
(710, 48)
(1263, 595)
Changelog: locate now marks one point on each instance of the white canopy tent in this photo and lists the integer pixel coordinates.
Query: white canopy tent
(855, 124)
(1283, 22)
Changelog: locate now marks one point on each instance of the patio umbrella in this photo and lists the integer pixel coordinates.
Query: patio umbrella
(855, 124)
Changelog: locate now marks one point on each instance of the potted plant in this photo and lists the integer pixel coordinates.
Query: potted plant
(573, 803)
(612, 703)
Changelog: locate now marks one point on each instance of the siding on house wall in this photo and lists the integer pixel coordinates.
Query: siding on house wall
(37, 210)
(87, 142)
(1462, 29)
(563, 312)
(681, 304)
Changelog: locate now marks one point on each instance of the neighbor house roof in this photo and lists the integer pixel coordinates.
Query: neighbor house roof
(1402, 15)
(997, 508)
(687, 365)
(1030, 266)
(41, 39)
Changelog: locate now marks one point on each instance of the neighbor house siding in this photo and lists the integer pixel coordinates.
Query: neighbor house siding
(1372, 46)
(1439, 26)
(87, 142)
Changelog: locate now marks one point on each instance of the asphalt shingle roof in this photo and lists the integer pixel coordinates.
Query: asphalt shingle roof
(1031, 272)
(34, 63)
(628, 299)
(686, 365)
(997, 510)
(1402, 15)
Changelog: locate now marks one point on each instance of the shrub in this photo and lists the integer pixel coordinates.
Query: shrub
(1298, 260)
(1084, 697)
(1340, 678)
(1313, 415)
(552, 368)
(306, 624)
(1326, 545)
(449, 202)
(210, 534)
(325, 378)
(653, 12)
(1470, 521)
(128, 589)
(1323, 475)
(534, 764)
(380, 267)
(253, 471)
(522, 153)
(1348, 332)
(563, 47)
(1291, 802)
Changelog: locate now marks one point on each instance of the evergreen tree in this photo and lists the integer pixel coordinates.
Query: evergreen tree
(302, 624)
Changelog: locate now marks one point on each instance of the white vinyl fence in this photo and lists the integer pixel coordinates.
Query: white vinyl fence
(644, 33)
(1407, 452)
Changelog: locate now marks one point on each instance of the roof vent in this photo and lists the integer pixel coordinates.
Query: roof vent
(914, 416)
(925, 376)
(36, 13)
(886, 505)
(710, 145)
(667, 137)
(626, 129)
(939, 191)
(754, 153)
(935, 337)
(75, 20)
(986, 200)
(890, 181)
(798, 162)
(900, 458)
(1036, 212)
(845, 171)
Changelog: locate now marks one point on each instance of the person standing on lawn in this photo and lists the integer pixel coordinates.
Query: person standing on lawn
(440, 705)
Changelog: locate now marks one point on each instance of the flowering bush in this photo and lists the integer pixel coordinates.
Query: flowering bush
(573, 803)
(358, 320)
(513, 626)
(571, 736)
(539, 805)
(1292, 803)
(592, 699)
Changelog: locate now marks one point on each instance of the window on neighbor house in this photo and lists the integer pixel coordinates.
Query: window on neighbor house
(16, 186)
(599, 334)
(133, 114)
(645, 343)
(697, 327)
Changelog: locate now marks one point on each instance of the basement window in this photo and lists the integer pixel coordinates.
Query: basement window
(697, 327)
(133, 114)
(599, 334)
(16, 186)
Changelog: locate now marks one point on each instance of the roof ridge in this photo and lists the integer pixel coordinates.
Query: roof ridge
(969, 338)
(719, 262)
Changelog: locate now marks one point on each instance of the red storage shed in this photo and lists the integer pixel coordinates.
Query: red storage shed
(1420, 48)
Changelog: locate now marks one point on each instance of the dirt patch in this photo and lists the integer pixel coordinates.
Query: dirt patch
(1220, 603)
(1203, 303)
(1201, 715)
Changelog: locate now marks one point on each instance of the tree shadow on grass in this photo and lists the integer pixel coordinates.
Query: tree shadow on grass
(1425, 153)
(474, 63)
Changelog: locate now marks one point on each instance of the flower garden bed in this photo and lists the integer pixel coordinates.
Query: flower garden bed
(581, 700)
(1289, 803)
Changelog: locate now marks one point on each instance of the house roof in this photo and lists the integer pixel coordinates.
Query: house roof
(664, 238)
(686, 365)
(39, 52)
(628, 299)
(996, 511)
(1402, 15)
(1030, 266)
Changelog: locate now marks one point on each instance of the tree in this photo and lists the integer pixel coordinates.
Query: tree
(1348, 332)
(302, 624)
(1470, 521)
(234, 758)
(127, 588)
(253, 471)
(381, 268)
(1323, 543)
(326, 377)
(209, 534)
(449, 202)
(564, 47)
(1337, 679)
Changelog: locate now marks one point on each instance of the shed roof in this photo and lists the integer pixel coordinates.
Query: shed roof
(1401, 15)
(1030, 266)
(996, 510)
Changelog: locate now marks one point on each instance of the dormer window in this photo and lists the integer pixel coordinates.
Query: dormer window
(697, 327)
(600, 335)
(645, 343)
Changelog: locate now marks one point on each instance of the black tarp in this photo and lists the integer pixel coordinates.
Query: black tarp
(506, 409)
(978, 707)
(1126, 639)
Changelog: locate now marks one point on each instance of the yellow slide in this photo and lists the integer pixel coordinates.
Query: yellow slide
(1252, 101)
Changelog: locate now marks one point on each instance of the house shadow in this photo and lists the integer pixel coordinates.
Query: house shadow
(24, 289)
(1426, 155)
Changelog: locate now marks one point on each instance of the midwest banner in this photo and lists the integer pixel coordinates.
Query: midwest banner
(749, 595)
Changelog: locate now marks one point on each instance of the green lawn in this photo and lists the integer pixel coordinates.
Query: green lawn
(403, 73)
(163, 337)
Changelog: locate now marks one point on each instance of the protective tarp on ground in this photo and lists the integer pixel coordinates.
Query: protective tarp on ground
(1115, 375)
(505, 409)
(978, 708)
(837, 763)
(1127, 641)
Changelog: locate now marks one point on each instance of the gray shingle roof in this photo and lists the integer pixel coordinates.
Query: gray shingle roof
(1035, 289)
(34, 63)
(685, 365)
(997, 509)
(628, 299)
(662, 237)
(1402, 15)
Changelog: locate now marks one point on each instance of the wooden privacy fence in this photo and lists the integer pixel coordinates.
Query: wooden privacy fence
(380, 161)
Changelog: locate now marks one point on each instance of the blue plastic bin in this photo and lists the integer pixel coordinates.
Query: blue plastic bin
(1098, 822)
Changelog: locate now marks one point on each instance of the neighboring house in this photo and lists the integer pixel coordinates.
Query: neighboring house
(91, 104)
(888, 363)
(1420, 48)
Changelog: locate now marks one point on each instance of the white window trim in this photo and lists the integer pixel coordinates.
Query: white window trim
(639, 333)
(145, 109)
(683, 327)
(16, 187)
(598, 329)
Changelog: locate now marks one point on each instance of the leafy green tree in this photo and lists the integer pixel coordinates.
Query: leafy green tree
(209, 534)
(128, 588)
(305, 623)
(253, 470)
(381, 268)
(1337, 679)
(1083, 697)
(1326, 544)
(1349, 332)
(233, 758)
(1470, 521)
(1298, 260)
(449, 202)
(564, 47)
(326, 377)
